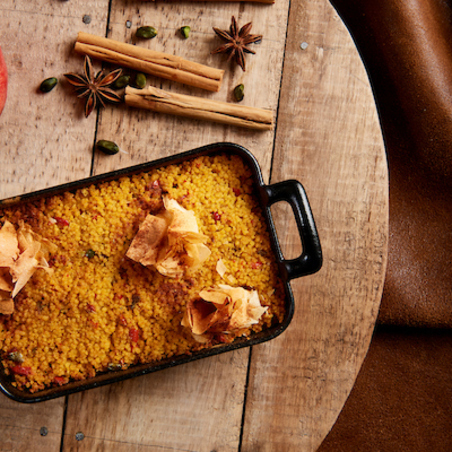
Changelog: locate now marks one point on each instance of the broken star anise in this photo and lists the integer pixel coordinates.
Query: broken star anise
(94, 87)
(236, 42)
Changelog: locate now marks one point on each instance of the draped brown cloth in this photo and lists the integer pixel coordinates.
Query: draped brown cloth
(402, 399)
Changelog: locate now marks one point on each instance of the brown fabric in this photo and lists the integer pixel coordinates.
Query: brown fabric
(407, 49)
(402, 399)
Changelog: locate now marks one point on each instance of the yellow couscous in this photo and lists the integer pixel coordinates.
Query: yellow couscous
(97, 310)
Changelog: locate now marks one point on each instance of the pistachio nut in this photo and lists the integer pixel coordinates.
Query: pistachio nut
(107, 147)
(48, 84)
(146, 32)
(239, 92)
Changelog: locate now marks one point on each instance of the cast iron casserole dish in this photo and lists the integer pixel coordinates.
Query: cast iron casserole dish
(310, 261)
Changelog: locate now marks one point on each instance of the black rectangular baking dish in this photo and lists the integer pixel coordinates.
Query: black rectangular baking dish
(310, 261)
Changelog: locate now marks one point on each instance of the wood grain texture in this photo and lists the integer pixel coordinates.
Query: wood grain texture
(195, 407)
(205, 412)
(328, 138)
(44, 138)
(146, 135)
(44, 141)
(20, 426)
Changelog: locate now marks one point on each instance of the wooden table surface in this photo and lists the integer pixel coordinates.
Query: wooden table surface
(283, 395)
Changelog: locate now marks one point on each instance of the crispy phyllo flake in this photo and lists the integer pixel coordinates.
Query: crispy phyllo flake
(146, 244)
(221, 268)
(22, 252)
(24, 267)
(224, 272)
(9, 245)
(170, 241)
(222, 309)
(6, 303)
(6, 282)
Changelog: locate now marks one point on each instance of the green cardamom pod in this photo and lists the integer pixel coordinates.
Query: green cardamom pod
(122, 82)
(48, 84)
(107, 147)
(185, 31)
(140, 80)
(146, 32)
(239, 92)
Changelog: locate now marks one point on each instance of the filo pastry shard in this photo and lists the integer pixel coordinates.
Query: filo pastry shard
(170, 241)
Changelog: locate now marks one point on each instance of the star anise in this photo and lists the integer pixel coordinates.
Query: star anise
(237, 42)
(94, 87)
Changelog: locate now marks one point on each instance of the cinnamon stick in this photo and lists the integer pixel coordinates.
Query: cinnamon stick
(152, 62)
(199, 108)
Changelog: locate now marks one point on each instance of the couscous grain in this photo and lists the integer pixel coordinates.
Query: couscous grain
(99, 310)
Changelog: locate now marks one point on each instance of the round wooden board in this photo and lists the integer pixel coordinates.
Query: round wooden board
(328, 138)
(282, 395)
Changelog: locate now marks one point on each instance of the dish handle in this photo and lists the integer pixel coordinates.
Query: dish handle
(310, 260)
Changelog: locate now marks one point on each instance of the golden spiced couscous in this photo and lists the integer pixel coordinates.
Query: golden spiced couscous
(94, 309)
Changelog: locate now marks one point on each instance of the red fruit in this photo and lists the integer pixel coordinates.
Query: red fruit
(3, 81)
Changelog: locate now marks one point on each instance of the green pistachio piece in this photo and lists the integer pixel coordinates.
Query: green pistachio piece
(185, 31)
(107, 147)
(48, 84)
(239, 92)
(90, 254)
(122, 82)
(146, 32)
(140, 80)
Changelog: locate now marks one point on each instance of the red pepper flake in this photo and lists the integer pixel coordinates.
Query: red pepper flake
(134, 334)
(222, 338)
(216, 216)
(59, 381)
(237, 191)
(21, 370)
(90, 308)
(95, 216)
(61, 221)
(256, 265)
(181, 198)
(122, 320)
